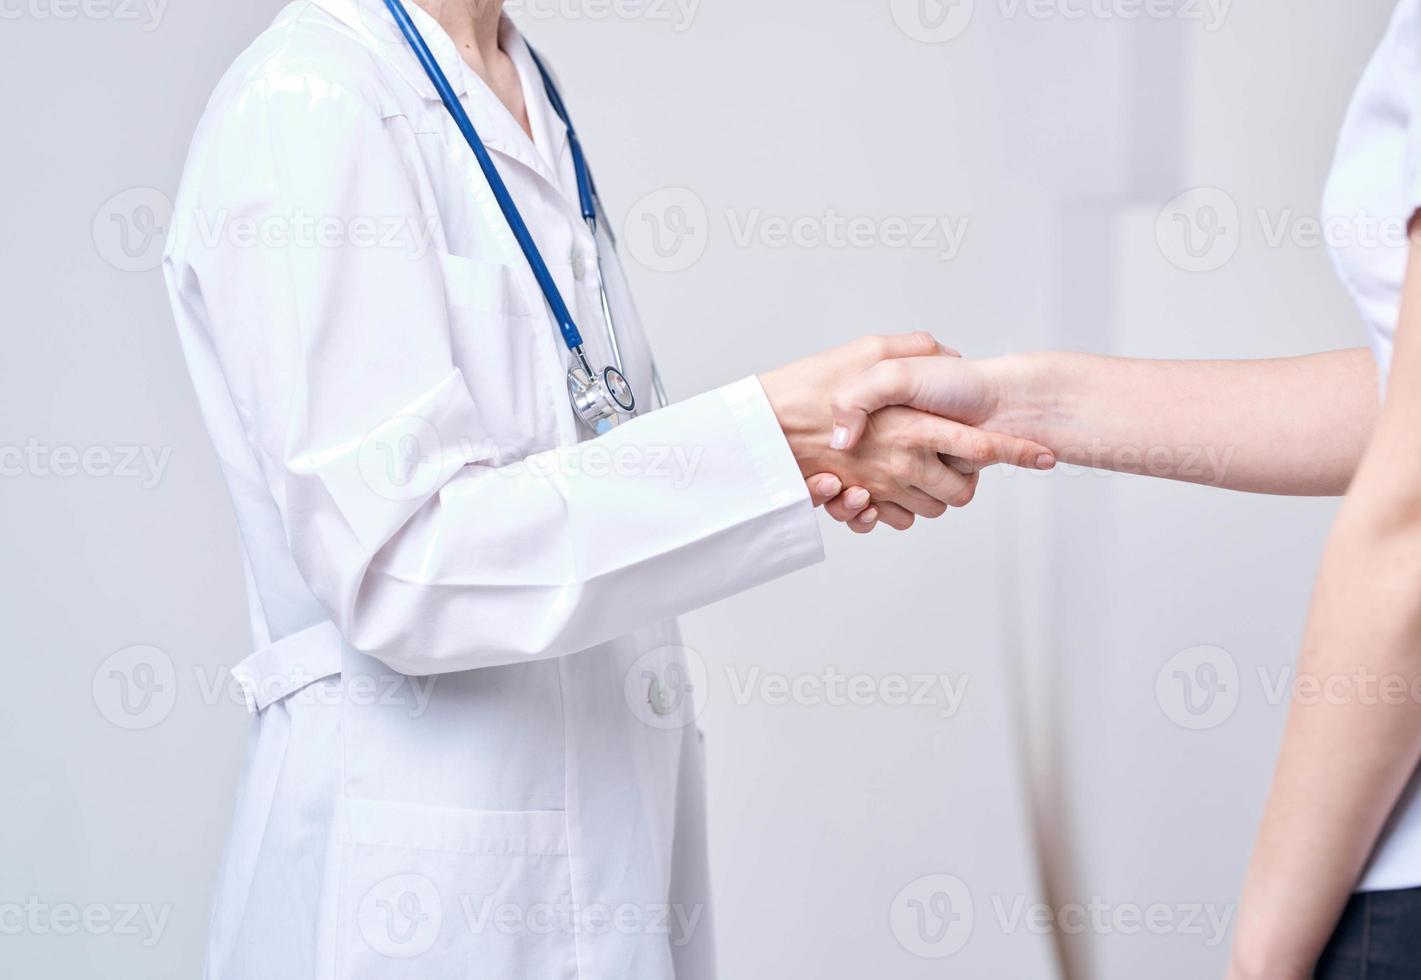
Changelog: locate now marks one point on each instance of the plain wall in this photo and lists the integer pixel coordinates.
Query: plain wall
(1066, 775)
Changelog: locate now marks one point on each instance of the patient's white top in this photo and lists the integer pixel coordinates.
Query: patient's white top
(1374, 190)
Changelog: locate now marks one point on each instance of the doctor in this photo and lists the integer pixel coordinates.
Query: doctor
(473, 751)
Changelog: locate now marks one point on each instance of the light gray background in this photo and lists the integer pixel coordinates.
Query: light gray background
(1064, 777)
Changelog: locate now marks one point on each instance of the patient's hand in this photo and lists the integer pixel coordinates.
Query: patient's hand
(902, 463)
(953, 388)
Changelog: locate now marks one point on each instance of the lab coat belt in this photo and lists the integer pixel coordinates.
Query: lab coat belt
(289, 665)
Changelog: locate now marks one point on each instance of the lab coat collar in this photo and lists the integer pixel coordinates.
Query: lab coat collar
(500, 132)
(373, 24)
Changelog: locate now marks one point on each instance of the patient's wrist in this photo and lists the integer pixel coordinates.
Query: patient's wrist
(1028, 393)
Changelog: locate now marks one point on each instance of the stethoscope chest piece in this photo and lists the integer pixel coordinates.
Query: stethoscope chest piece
(602, 401)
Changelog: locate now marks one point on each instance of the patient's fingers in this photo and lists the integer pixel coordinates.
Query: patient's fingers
(945, 483)
(920, 503)
(960, 465)
(979, 448)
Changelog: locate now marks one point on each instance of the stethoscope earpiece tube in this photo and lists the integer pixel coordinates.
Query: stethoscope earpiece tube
(500, 190)
(600, 401)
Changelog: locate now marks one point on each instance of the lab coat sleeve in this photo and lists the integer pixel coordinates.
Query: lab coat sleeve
(427, 553)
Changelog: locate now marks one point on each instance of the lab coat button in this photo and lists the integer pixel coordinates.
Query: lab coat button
(663, 700)
(579, 266)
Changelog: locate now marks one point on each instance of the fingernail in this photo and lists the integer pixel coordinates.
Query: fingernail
(857, 497)
(1045, 461)
(829, 486)
(869, 516)
(840, 438)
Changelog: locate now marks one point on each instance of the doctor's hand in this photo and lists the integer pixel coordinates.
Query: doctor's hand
(904, 463)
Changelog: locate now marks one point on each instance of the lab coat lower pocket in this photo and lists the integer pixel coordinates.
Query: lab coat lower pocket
(430, 893)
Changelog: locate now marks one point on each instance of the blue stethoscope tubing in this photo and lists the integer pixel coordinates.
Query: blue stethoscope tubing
(586, 192)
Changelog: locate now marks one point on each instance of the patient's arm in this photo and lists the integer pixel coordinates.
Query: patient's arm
(1294, 425)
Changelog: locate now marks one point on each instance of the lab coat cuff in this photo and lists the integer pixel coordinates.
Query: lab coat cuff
(800, 541)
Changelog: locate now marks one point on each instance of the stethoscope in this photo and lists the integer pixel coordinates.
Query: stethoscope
(602, 400)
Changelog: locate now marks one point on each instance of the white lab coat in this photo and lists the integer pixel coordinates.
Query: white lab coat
(473, 754)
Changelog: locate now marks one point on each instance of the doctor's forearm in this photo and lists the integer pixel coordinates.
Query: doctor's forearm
(1288, 426)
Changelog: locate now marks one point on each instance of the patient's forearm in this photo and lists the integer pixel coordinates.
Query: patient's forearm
(1289, 426)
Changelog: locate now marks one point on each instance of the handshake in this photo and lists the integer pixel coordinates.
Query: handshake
(867, 456)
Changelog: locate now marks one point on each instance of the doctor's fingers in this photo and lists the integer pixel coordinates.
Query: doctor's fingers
(848, 505)
(882, 512)
(852, 507)
(826, 487)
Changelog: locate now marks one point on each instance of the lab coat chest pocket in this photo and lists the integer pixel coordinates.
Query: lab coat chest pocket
(501, 343)
(433, 892)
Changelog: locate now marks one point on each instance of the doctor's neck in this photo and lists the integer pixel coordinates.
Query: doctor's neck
(473, 26)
